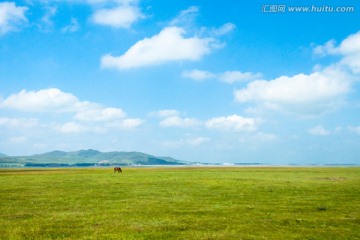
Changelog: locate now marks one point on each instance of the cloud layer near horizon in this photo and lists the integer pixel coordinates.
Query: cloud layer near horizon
(85, 116)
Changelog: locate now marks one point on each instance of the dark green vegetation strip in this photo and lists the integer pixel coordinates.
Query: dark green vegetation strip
(180, 203)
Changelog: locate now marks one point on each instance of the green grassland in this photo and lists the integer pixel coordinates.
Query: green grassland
(181, 203)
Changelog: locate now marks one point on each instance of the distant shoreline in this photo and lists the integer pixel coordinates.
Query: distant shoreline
(192, 166)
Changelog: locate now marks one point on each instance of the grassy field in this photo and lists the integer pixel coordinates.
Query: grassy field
(180, 203)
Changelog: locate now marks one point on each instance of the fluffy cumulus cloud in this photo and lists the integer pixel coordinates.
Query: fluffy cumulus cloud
(227, 76)
(53, 100)
(310, 94)
(122, 16)
(124, 124)
(99, 113)
(11, 16)
(233, 123)
(327, 48)
(176, 121)
(19, 123)
(45, 100)
(111, 13)
(198, 75)
(318, 131)
(167, 113)
(169, 45)
(301, 93)
(349, 49)
(74, 127)
(71, 127)
(172, 118)
(238, 76)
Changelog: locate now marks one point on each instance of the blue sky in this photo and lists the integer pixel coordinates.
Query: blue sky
(207, 81)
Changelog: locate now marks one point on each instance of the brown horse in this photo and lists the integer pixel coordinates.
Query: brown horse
(117, 169)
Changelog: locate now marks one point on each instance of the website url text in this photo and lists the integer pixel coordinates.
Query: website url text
(280, 8)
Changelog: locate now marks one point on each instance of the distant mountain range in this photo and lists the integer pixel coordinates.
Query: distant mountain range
(85, 158)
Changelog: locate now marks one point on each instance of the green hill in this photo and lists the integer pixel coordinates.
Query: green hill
(88, 157)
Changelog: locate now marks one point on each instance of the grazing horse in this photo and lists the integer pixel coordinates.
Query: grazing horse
(117, 169)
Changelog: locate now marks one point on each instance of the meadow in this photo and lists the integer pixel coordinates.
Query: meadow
(181, 203)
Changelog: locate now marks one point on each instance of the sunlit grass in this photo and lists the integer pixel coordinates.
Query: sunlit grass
(180, 203)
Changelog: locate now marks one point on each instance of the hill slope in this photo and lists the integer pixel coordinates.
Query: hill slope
(88, 157)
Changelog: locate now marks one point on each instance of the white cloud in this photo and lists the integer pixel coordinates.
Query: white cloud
(112, 13)
(176, 121)
(104, 2)
(186, 142)
(71, 127)
(122, 16)
(18, 139)
(232, 123)
(172, 118)
(237, 76)
(198, 75)
(46, 20)
(349, 48)
(72, 27)
(350, 45)
(185, 16)
(11, 17)
(310, 94)
(167, 113)
(197, 141)
(54, 100)
(301, 93)
(265, 137)
(224, 29)
(355, 129)
(99, 127)
(327, 48)
(131, 123)
(125, 124)
(319, 131)
(169, 45)
(300, 88)
(190, 10)
(15, 123)
(228, 76)
(45, 100)
(100, 114)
